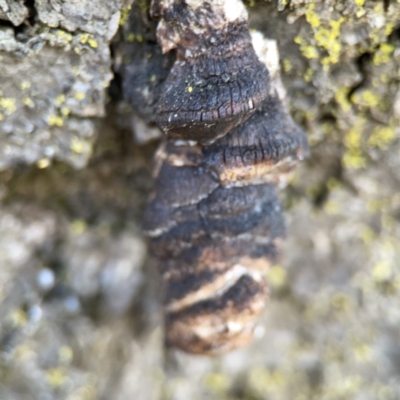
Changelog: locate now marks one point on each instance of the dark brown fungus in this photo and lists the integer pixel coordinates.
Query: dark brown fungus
(213, 253)
(143, 66)
(217, 80)
(263, 149)
(144, 77)
(214, 220)
(221, 323)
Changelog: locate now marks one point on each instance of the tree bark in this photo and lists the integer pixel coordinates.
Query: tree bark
(80, 306)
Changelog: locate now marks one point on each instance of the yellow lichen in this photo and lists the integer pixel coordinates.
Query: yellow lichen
(308, 75)
(79, 96)
(384, 54)
(18, 318)
(76, 70)
(63, 36)
(389, 28)
(382, 137)
(306, 49)
(277, 276)
(93, 43)
(360, 12)
(217, 383)
(144, 6)
(341, 301)
(7, 105)
(83, 38)
(79, 146)
(65, 111)
(367, 235)
(27, 101)
(89, 39)
(384, 78)
(354, 159)
(382, 271)
(25, 85)
(124, 15)
(376, 205)
(286, 65)
(78, 227)
(366, 98)
(311, 17)
(363, 352)
(43, 163)
(326, 36)
(55, 120)
(263, 381)
(353, 137)
(332, 207)
(56, 377)
(60, 99)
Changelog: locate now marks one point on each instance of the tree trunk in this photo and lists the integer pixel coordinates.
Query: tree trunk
(80, 314)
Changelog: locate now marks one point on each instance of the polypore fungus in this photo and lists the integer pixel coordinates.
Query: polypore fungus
(217, 80)
(214, 220)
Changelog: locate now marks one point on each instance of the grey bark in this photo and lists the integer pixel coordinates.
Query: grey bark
(79, 312)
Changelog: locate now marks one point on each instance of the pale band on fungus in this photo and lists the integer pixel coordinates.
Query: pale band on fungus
(214, 220)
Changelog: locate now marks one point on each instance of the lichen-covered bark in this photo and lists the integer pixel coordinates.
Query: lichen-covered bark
(14, 11)
(55, 68)
(79, 312)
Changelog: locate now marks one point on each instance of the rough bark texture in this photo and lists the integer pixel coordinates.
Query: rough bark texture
(79, 313)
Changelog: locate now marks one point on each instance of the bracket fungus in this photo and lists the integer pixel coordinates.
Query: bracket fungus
(217, 80)
(214, 220)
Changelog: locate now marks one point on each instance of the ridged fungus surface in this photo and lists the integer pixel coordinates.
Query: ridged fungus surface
(214, 220)
(217, 80)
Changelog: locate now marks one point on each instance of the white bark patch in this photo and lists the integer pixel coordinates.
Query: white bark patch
(194, 3)
(268, 53)
(234, 10)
